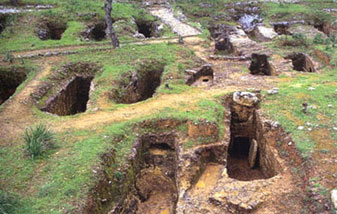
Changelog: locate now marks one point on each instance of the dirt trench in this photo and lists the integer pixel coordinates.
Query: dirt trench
(163, 176)
(138, 85)
(72, 98)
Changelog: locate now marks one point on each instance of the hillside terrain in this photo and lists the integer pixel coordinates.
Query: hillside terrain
(206, 106)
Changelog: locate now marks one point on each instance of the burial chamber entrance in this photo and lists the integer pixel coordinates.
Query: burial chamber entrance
(139, 85)
(250, 156)
(10, 79)
(51, 30)
(260, 65)
(243, 160)
(95, 31)
(147, 28)
(72, 98)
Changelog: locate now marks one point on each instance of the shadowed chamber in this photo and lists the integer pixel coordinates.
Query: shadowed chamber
(147, 28)
(9, 81)
(238, 161)
(72, 99)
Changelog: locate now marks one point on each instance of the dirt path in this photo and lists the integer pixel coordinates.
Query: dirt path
(138, 110)
(167, 16)
(17, 112)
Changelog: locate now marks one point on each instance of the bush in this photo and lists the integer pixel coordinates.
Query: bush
(7, 202)
(38, 139)
(295, 40)
(319, 40)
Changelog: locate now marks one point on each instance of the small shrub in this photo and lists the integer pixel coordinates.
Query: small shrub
(38, 139)
(295, 40)
(7, 202)
(319, 40)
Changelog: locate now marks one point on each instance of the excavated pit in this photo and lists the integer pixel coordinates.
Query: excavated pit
(51, 30)
(147, 28)
(260, 65)
(95, 31)
(138, 85)
(153, 190)
(164, 177)
(248, 158)
(72, 98)
(10, 79)
(301, 62)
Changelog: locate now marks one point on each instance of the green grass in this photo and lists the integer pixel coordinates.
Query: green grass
(286, 107)
(22, 36)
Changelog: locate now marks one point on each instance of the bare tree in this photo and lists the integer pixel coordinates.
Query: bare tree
(108, 20)
(14, 2)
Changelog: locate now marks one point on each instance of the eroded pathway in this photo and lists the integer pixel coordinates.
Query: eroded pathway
(167, 16)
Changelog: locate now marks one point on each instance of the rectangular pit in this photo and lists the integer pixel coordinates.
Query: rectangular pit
(10, 79)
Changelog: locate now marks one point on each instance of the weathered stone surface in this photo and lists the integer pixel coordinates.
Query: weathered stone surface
(334, 197)
(245, 98)
(240, 196)
(264, 34)
(252, 153)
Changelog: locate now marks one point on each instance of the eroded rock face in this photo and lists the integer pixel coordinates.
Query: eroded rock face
(264, 34)
(260, 65)
(302, 62)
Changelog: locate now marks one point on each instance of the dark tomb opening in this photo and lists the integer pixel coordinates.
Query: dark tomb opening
(72, 99)
(9, 81)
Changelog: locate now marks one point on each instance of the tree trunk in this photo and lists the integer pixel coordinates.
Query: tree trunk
(108, 20)
(14, 2)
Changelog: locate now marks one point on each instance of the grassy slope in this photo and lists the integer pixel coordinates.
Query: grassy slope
(22, 34)
(286, 107)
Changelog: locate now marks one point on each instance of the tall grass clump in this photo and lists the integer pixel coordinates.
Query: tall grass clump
(7, 203)
(37, 139)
